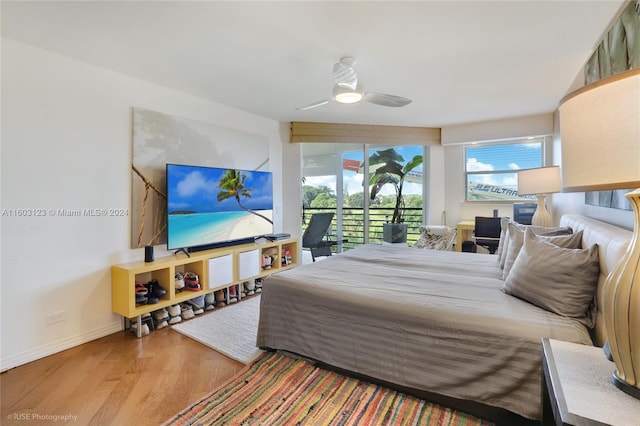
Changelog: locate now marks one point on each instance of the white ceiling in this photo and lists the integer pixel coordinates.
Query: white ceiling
(460, 61)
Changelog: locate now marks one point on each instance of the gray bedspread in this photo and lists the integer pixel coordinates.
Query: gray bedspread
(431, 320)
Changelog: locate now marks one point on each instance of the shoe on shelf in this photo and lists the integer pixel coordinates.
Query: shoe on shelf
(221, 298)
(191, 281)
(258, 282)
(198, 304)
(179, 277)
(187, 311)
(233, 294)
(144, 328)
(141, 293)
(155, 289)
(141, 289)
(209, 301)
(161, 318)
(249, 287)
(174, 312)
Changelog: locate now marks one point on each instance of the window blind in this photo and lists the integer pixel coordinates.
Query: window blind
(363, 133)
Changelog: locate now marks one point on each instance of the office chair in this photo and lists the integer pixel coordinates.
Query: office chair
(487, 232)
(315, 237)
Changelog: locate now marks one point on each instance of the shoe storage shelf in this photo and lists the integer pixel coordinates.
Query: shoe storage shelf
(216, 268)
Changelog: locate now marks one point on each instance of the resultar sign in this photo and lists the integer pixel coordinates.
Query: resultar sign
(484, 191)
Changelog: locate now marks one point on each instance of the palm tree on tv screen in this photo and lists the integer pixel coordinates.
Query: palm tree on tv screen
(232, 186)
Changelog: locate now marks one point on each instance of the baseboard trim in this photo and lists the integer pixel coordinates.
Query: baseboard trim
(25, 357)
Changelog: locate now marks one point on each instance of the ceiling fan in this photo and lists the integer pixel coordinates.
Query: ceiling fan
(348, 90)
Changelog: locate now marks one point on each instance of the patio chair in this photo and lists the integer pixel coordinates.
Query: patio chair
(316, 237)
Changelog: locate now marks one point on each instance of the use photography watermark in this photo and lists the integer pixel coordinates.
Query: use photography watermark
(42, 417)
(60, 212)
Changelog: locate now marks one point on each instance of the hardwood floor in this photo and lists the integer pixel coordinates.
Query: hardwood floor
(115, 380)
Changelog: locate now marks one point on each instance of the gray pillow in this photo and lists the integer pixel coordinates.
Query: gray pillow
(540, 230)
(559, 236)
(557, 279)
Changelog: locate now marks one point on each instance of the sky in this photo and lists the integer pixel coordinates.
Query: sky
(196, 188)
(481, 158)
(502, 157)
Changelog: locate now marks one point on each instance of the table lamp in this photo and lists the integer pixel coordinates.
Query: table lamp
(539, 182)
(600, 142)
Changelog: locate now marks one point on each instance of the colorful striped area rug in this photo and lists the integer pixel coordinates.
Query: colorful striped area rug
(281, 390)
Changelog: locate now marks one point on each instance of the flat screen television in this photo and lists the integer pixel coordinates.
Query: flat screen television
(211, 207)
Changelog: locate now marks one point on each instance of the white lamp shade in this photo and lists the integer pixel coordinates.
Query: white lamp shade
(543, 180)
(600, 135)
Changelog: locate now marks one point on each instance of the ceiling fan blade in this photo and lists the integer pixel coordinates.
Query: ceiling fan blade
(313, 105)
(345, 75)
(386, 100)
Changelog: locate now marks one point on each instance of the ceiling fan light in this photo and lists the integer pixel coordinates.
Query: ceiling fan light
(348, 97)
(344, 95)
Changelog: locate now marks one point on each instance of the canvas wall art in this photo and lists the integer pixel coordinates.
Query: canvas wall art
(611, 199)
(159, 139)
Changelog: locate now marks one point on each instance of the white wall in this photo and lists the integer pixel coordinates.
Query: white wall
(66, 144)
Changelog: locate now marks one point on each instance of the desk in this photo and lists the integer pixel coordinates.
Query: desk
(464, 231)
(577, 381)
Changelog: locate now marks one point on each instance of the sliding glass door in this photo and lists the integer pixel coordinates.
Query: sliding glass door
(336, 179)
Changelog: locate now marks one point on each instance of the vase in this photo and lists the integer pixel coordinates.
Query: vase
(621, 306)
(394, 232)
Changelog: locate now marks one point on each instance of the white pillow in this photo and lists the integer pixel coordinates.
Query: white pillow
(504, 222)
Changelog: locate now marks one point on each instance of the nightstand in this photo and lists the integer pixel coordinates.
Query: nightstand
(464, 230)
(577, 381)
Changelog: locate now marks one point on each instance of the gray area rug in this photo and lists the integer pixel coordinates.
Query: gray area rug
(231, 330)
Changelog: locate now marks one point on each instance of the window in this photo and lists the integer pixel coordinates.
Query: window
(491, 170)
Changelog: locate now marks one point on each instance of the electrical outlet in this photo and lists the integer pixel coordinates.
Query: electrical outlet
(55, 317)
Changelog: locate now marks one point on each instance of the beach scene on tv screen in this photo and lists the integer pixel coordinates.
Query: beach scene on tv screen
(212, 205)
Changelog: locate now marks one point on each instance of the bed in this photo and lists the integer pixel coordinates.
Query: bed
(433, 321)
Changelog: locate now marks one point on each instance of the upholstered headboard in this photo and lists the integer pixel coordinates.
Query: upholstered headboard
(612, 242)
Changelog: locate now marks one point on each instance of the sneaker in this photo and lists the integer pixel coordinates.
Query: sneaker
(144, 329)
(221, 299)
(233, 294)
(161, 318)
(179, 282)
(187, 311)
(198, 304)
(209, 301)
(175, 314)
(258, 285)
(191, 281)
(174, 310)
(249, 287)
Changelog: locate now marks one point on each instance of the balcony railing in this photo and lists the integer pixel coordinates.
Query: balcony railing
(353, 224)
